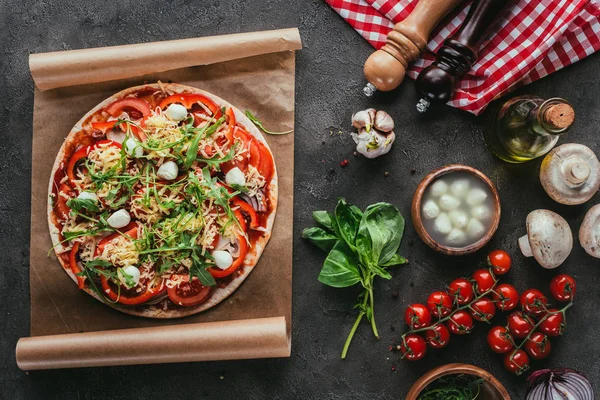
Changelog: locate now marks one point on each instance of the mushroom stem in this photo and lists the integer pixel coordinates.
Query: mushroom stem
(576, 171)
(525, 247)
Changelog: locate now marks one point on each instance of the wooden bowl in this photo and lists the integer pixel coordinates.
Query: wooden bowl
(491, 388)
(418, 222)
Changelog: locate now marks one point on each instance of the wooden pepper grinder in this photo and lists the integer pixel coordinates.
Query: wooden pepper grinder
(436, 82)
(386, 67)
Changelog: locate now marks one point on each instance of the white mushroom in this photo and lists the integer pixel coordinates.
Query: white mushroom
(548, 240)
(438, 188)
(570, 174)
(373, 143)
(449, 202)
(589, 232)
(459, 188)
(430, 209)
(459, 219)
(442, 224)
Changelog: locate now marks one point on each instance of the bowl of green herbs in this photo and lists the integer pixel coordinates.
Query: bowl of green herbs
(457, 382)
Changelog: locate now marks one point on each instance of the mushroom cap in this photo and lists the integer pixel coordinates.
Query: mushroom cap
(589, 232)
(570, 174)
(550, 238)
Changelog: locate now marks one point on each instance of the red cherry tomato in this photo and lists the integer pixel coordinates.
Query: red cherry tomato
(506, 297)
(519, 324)
(538, 346)
(440, 304)
(438, 336)
(500, 340)
(413, 347)
(553, 324)
(417, 316)
(460, 323)
(484, 280)
(462, 290)
(483, 309)
(516, 362)
(186, 293)
(500, 262)
(563, 287)
(534, 302)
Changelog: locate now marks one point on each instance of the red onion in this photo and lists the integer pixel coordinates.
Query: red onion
(559, 384)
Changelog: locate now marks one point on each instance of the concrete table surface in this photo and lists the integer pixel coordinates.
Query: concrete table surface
(329, 79)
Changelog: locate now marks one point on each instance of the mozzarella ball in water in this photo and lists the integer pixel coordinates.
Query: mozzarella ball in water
(133, 148)
(459, 188)
(430, 209)
(235, 176)
(481, 212)
(449, 202)
(129, 274)
(438, 188)
(456, 237)
(476, 196)
(458, 218)
(119, 219)
(442, 224)
(168, 171)
(88, 196)
(223, 259)
(176, 112)
(475, 229)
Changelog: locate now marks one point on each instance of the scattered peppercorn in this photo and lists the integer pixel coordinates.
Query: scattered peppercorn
(410, 241)
(395, 294)
(391, 347)
(392, 328)
(332, 171)
(412, 284)
(413, 171)
(355, 154)
(343, 163)
(393, 368)
(323, 142)
(386, 174)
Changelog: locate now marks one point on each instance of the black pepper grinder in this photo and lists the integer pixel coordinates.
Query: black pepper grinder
(436, 82)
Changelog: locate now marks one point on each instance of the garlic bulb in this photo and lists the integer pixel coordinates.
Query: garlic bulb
(364, 119)
(373, 144)
(383, 121)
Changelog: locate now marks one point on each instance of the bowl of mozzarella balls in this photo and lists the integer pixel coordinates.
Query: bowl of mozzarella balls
(456, 209)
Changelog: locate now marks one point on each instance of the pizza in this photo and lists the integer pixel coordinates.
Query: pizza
(161, 200)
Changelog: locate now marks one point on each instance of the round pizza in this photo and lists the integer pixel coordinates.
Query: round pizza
(161, 200)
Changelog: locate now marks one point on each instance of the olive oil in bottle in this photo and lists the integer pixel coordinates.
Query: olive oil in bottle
(527, 127)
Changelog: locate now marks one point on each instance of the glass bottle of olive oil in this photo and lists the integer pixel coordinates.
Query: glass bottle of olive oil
(527, 127)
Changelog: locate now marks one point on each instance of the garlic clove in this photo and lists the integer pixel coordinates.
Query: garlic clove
(383, 121)
(364, 119)
(373, 144)
(430, 209)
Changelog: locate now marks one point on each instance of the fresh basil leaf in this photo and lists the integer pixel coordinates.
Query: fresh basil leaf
(383, 225)
(323, 218)
(347, 222)
(380, 271)
(320, 238)
(81, 204)
(340, 268)
(396, 259)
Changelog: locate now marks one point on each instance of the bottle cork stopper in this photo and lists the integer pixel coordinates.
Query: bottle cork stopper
(560, 116)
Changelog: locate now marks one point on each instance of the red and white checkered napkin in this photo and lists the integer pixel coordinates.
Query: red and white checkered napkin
(533, 40)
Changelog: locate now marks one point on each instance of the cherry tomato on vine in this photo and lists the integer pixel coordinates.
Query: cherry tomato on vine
(462, 290)
(417, 316)
(440, 304)
(562, 287)
(483, 309)
(413, 347)
(516, 362)
(500, 340)
(538, 346)
(533, 302)
(554, 324)
(484, 280)
(519, 324)
(500, 262)
(438, 336)
(506, 297)
(460, 323)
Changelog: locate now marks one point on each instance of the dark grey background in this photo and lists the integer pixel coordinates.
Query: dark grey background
(329, 78)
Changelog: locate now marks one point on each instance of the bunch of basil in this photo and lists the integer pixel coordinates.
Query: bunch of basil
(361, 245)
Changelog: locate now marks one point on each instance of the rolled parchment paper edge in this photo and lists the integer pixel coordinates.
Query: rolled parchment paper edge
(224, 340)
(77, 67)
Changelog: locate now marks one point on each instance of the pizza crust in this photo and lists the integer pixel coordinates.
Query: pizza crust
(219, 294)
